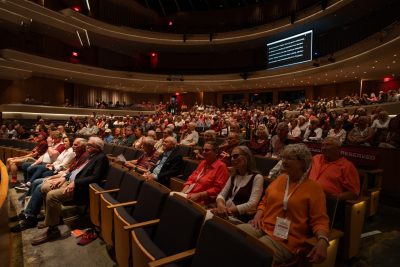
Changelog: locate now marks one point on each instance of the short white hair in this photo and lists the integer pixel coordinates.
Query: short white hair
(97, 141)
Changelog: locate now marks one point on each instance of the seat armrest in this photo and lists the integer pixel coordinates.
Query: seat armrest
(130, 203)
(173, 258)
(142, 224)
(176, 184)
(334, 234)
(107, 191)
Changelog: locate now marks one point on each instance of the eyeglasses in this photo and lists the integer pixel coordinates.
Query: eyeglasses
(91, 145)
(235, 156)
(207, 149)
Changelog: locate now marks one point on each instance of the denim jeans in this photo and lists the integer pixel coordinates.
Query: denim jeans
(36, 171)
(25, 167)
(36, 201)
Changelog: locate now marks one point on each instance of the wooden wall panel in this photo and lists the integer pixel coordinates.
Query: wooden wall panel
(41, 89)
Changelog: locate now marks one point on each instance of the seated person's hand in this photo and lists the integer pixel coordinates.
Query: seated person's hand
(130, 164)
(318, 253)
(224, 155)
(57, 182)
(220, 211)
(194, 196)
(149, 176)
(69, 188)
(257, 220)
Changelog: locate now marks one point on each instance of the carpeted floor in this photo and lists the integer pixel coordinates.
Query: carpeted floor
(58, 253)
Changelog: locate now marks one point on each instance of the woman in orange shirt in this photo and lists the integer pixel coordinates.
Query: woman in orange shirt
(292, 210)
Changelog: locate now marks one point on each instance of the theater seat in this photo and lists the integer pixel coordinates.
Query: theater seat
(222, 244)
(111, 183)
(371, 185)
(126, 196)
(149, 205)
(176, 231)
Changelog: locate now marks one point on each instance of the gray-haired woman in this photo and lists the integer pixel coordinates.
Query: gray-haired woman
(241, 193)
(292, 210)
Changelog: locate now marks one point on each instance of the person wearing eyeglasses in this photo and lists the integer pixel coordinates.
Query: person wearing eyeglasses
(242, 192)
(292, 210)
(204, 184)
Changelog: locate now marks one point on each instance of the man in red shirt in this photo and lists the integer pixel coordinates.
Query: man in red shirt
(205, 183)
(337, 176)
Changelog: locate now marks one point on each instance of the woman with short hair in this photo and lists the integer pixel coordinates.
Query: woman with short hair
(292, 210)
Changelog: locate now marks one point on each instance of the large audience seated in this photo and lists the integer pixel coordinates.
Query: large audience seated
(226, 180)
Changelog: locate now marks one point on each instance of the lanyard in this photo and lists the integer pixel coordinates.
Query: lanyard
(287, 195)
(200, 174)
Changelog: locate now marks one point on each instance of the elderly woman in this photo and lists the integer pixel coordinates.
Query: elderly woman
(293, 209)
(313, 132)
(208, 179)
(148, 159)
(243, 190)
(361, 134)
(338, 131)
(260, 144)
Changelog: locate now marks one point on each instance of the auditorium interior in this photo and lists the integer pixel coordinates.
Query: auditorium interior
(117, 75)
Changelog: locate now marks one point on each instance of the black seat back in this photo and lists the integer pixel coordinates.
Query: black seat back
(239, 249)
(113, 177)
(129, 187)
(118, 150)
(108, 149)
(179, 227)
(150, 201)
(264, 164)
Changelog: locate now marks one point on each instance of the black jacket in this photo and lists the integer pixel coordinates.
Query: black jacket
(93, 172)
(172, 167)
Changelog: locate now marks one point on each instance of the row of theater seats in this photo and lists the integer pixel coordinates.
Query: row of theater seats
(148, 227)
(354, 210)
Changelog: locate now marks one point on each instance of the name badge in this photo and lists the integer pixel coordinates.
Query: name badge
(282, 226)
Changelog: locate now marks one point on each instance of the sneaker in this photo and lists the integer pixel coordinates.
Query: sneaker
(29, 222)
(22, 188)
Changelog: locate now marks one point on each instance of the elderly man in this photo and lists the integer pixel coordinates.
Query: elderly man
(73, 185)
(337, 176)
(169, 165)
(148, 159)
(190, 137)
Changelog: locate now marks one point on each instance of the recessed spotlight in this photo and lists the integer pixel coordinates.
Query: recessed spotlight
(388, 67)
(394, 61)
(376, 61)
(373, 67)
(365, 72)
(358, 66)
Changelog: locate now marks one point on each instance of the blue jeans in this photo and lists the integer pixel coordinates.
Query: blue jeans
(25, 167)
(36, 201)
(36, 171)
